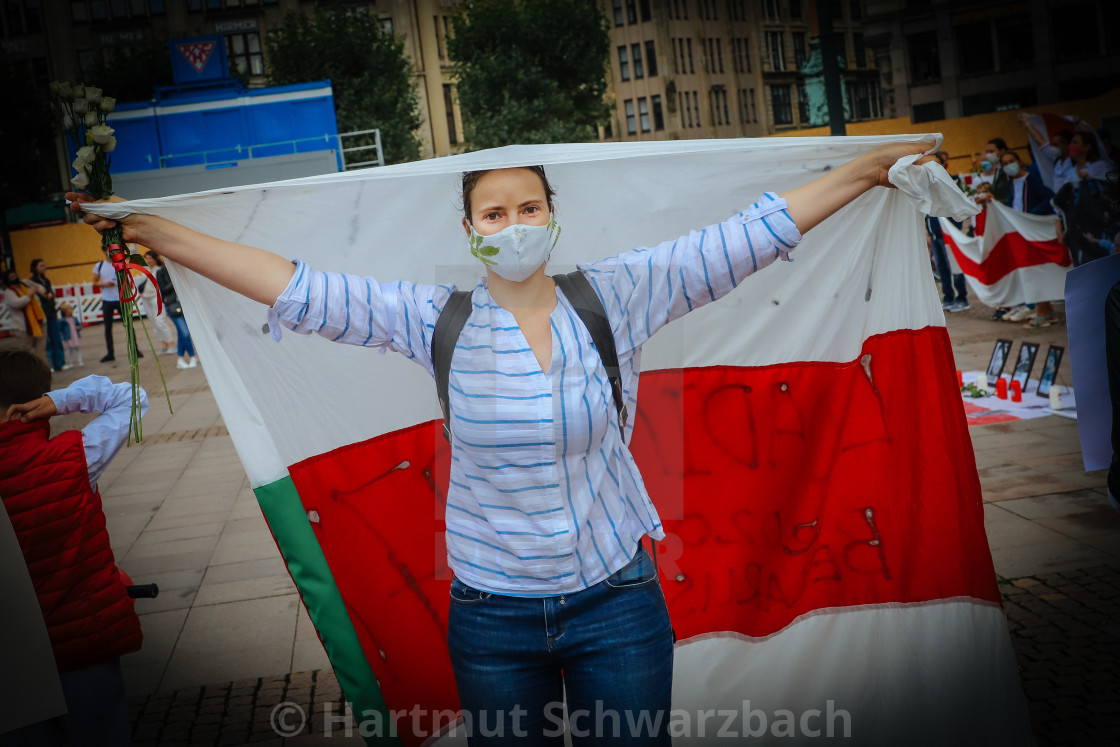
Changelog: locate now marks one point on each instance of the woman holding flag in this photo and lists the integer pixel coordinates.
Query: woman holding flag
(554, 598)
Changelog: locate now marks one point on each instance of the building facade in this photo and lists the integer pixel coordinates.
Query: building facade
(949, 58)
(726, 68)
(60, 39)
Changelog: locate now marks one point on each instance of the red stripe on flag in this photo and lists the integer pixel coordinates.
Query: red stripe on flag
(784, 489)
(1012, 252)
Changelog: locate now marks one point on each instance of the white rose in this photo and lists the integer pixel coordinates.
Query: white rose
(79, 91)
(65, 92)
(80, 166)
(101, 133)
(87, 153)
(92, 119)
(108, 104)
(80, 181)
(110, 146)
(93, 95)
(81, 106)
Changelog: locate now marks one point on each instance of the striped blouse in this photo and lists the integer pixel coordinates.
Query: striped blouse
(545, 497)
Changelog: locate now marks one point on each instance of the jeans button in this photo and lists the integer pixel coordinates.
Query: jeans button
(561, 600)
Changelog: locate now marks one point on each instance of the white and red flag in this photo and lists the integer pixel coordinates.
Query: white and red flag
(1014, 257)
(826, 566)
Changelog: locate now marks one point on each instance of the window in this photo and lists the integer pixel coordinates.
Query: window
(631, 123)
(631, 12)
(623, 64)
(636, 56)
(691, 67)
(866, 100)
(443, 33)
(802, 106)
(119, 8)
(156, 7)
(608, 131)
(719, 53)
(795, 10)
(658, 116)
(97, 10)
(723, 103)
(780, 103)
(998, 101)
(449, 109)
(643, 113)
(676, 58)
(685, 110)
(741, 104)
(1016, 43)
(974, 46)
(776, 51)
(78, 11)
(1069, 32)
(799, 55)
(645, 10)
(927, 112)
(713, 108)
(651, 59)
(754, 109)
(386, 24)
(770, 10)
(617, 12)
(856, 10)
(244, 52)
(696, 107)
(860, 51)
(925, 61)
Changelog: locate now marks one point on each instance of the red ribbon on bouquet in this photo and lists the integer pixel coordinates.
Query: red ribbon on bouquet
(118, 256)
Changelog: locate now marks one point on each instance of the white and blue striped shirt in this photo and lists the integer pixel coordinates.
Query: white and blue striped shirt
(544, 496)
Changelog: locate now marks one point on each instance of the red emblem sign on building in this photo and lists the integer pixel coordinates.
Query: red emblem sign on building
(197, 53)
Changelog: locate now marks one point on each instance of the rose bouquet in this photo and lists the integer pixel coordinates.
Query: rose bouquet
(83, 111)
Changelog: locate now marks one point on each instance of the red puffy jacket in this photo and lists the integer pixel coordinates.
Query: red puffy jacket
(58, 521)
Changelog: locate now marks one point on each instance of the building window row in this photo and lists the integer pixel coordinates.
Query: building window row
(690, 109)
(642, 118)
(634, 55)
(22, 18)
(741, 54)
(717, 106)
(679, 10)
(632, 11)
(737, 9)
(708, 10)
(83, 11)
(682, 58)
(713, 61)
(748, 112)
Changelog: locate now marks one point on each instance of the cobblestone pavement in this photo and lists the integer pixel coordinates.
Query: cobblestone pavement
(1065, 628)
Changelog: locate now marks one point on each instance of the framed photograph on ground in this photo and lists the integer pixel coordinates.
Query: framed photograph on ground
(1050, 369)
(1024, 363)
(1000, 353)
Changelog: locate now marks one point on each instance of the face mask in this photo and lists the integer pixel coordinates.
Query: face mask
(1011, 169)
(1075, 150)
(991, 158)
(516, 251)
(985, 165)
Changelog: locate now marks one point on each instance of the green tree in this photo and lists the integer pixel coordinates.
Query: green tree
(531, 71)
(371, 79)
(131, 70)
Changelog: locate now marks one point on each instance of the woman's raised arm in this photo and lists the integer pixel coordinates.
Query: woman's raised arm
(252, 272)
(811, 203)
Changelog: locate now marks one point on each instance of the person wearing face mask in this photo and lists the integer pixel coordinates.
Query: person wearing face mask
(1026, 192)
(993, 154)
(1056, 150)
(528, 545)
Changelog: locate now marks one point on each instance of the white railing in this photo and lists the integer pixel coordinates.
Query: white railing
(375, 146)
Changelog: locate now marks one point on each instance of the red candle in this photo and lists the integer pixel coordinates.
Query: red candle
(960, 378)
(1016, 392)
(1001, 388)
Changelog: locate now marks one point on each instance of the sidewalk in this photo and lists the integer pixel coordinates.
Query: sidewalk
(227, 640)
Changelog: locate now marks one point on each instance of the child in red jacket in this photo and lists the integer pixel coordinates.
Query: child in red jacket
(49, 488)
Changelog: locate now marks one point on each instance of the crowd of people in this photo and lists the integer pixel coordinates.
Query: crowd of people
(39, 321)
(1067, 177)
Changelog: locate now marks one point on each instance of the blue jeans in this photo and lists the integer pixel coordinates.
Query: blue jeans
(608, 648)
(56, 357)
(186, 347)
(949, 281)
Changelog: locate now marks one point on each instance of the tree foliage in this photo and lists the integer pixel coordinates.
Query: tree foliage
(531, 71)
(30, 169)
(131, 71)
(371, 79)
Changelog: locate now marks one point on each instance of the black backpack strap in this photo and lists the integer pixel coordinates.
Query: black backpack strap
(583, 298)
(446, 335)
